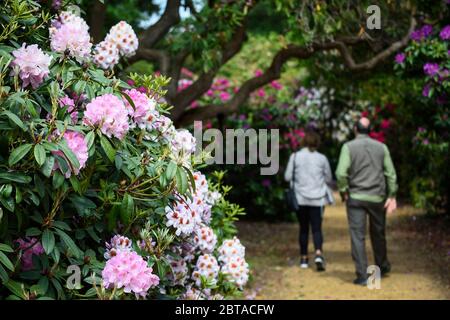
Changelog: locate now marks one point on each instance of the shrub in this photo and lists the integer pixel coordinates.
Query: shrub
(87, 159)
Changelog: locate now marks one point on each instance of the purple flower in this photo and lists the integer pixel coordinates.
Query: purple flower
(445, 33)
(426, 142)
(400, 58)
(421, 129)
(426, 90)
(422, 33)
(431, 68)
(427, 30)
(266, 183)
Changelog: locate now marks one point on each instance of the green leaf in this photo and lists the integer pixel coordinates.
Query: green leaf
(107, 147)
(69, 243)
(39, 154)
(69, 154)
(171, 170)
(112, 217)
(8, 203)
(16, 288)
(126, 208)
(6, 262)
(90, 138)
(182, 180)
(15, 177)
(14, 118)
(47, 168)
(58, 179)
(32, 232)
(18, 153)
(3, 275)
(5, 248)
(83, 205)
(48, 241)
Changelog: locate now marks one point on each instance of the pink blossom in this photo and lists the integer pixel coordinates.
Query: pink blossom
(261, 93)
(224, 96)
(379, 136)
(129, 271)
(186, 72)
(143, 105)
(445, 33)
(276, 85)
(109, 113)
(32, 65)
(258, 73)
(210, 93)
(77, 144)
(72, 35)
(30, 247)
(385, 124)
(70, 105)
(124, 37)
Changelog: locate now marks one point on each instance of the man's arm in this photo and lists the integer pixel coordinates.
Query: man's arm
(390, 174)
(342, 170)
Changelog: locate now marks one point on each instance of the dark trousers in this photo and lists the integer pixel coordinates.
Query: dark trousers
(357, 212)
(307, 216)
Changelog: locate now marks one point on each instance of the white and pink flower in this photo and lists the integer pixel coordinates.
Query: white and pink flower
(31, 64)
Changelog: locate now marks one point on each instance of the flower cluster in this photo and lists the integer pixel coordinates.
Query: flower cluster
(206, 267)
(129, 271)
(144, 108)
(422, 33)
(183, 218)
(121, 40)
(235, 268)
(205, 239)
(117, 243)
(178, 270)
(70, 34)
(109, 113)
(77, 144)
(31, 64)
(30, 247)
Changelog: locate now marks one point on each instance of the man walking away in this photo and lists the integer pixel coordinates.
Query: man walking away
(368, 184)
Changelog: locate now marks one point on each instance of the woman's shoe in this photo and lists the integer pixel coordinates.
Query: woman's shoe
(320, 263)
(304, 263)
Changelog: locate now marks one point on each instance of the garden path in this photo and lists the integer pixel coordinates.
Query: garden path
(272, 251)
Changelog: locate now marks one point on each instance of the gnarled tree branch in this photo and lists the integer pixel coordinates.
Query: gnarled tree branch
(274, 72)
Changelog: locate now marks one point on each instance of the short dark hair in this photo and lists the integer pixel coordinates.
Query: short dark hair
(362, 129)
(311, 140)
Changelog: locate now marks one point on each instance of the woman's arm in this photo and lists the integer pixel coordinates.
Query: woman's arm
(289, 169)
(327, 172)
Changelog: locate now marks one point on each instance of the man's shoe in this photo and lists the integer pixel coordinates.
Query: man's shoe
(304, 263)
(360, 281)
(320, 263)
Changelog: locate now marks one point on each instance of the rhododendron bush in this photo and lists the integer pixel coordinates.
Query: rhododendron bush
(100, 194)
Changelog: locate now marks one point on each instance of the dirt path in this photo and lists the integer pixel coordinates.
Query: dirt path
(272, 250)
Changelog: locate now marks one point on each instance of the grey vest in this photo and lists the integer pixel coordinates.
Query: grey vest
(366, 173)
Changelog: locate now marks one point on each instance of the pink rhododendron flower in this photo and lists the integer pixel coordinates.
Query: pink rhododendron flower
(236, 271)
(385, 124)
(77, 144)
(71, 109)
(276, 85)
(261, 93)
(400, 58)
(129, 271)
(32, 64)
(72, 35)
(109, 113)
(31, 247)
(445, 33)
(258, 73)
(431, 69)
(143, 106)
(224, 96)
(379, 136)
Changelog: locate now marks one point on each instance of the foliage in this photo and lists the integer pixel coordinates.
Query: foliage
(67, 184)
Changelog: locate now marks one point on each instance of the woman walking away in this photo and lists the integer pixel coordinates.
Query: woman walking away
(312, 177)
